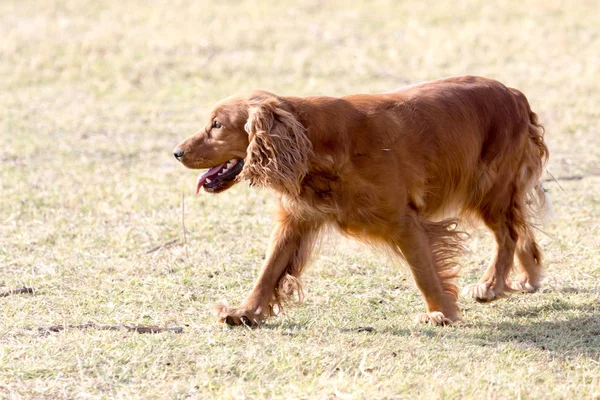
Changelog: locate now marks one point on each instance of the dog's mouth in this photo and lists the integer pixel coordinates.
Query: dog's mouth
(219, 177)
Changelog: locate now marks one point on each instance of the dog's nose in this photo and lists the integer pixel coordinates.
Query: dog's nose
(178, 153)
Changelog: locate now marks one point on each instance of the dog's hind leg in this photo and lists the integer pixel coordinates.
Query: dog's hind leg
(529, 266)
(508, 210)
(504, 216)
(529, 255)
(493, 283)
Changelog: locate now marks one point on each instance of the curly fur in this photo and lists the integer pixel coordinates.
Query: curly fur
(279, 150)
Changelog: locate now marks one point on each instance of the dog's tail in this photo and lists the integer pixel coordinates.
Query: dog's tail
(535, 158)
(539, 200)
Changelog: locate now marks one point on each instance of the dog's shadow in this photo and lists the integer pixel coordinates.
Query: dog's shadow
(573, 331)
(559, 327)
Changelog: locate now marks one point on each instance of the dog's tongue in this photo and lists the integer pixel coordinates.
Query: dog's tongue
(207, 174)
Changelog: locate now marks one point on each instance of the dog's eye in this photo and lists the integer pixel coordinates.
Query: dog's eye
(217, 125)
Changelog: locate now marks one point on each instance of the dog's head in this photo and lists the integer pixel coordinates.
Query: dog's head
(254, 137)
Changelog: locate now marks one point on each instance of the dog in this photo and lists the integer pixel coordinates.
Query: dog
(398, 169)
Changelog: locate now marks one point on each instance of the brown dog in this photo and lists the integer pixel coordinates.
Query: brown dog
(386, 168)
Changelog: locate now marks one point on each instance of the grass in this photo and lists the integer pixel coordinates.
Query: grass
(96, 94)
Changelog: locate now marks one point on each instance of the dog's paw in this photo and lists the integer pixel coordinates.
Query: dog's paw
(523, 286)
(480, 292)
(239, 316)
(434, 318)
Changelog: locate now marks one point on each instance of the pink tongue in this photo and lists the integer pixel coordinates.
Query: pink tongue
(207, 174)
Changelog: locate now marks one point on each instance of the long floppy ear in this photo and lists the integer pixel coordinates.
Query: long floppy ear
(279, 150)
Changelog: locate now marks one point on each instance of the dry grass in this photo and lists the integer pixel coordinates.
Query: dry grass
(96, 94)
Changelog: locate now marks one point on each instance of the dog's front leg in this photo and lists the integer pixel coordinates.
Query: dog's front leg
(291, 245)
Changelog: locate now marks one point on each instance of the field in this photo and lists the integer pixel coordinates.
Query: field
(95, 95)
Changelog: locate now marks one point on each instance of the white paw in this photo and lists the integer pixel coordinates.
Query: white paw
(479, 291)
(523, 287)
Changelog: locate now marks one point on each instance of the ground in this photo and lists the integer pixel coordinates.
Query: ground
(94, 97)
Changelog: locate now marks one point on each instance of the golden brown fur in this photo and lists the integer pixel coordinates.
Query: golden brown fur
(388, 168)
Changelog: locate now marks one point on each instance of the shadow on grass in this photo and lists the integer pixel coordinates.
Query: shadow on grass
(558, 327)
(572, 290)
(578, 336)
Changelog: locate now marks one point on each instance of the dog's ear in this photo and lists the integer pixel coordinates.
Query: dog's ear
(279, 151)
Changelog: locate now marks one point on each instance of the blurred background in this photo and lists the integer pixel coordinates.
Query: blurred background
(94, 95)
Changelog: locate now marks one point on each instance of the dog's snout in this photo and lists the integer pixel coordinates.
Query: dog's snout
(178, 153)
